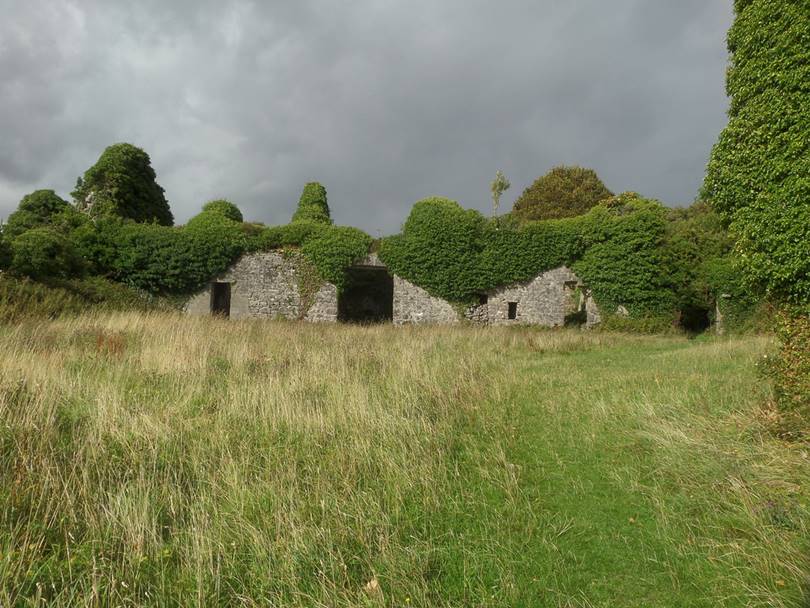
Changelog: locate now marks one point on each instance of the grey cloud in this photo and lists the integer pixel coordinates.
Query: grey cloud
(384, 102)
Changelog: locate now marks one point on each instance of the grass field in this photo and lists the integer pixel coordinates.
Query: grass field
(165, 461)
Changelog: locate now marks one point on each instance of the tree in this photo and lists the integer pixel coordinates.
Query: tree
(499, 185)
(312, 205)
(758, 176)
(40, 208)
(562, 192)
(123, 183)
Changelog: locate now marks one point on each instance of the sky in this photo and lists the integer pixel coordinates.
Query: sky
(384, 102)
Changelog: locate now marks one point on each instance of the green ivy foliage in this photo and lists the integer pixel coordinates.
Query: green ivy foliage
(758, 176)
(223, 208)
(616, 248)
(165, 259)
(38, 209)
(312, 206)
(439, 249)
(623, 262)
(5, 253)
(562, 192)
(333, 250)
(123, 183)
(43, 253)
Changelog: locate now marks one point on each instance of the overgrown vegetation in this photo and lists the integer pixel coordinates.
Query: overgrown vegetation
(661, 266)
(123, 183)
(562, 192)
(758, 176)
(165, 460)
(630, 251)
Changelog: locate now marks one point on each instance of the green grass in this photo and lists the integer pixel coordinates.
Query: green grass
(152, 459)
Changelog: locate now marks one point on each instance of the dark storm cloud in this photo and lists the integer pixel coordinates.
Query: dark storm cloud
(383, 101)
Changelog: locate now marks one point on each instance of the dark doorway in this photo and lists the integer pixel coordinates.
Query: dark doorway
(512, 311)
(695, 319)
(221, 299)
(368, 296)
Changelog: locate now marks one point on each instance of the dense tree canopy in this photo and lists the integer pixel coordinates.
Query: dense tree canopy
(123, 183)
(562, 192)
(40, 208)
(758, 177)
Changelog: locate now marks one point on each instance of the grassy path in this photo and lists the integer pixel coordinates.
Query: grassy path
(643, 478)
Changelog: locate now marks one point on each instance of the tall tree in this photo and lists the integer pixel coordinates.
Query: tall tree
(562, 192)
(123, 183)
(758, 176)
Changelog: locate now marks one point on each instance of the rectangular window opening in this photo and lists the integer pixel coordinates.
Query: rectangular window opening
(513, 310)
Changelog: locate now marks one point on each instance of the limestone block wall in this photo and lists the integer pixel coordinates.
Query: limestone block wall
(414, 305)
(545, 300)
(265, 284)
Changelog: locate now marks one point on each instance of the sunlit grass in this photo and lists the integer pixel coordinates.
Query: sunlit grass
(163, 460)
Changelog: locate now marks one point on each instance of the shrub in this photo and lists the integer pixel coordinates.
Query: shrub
(123, 183)
(332, 251)
(40, 208)
(790, 369)
(312, 206)
(622, 262)
(562, 192)
(42, 253)
(163, 259)
(25, 299)
(224, 208)
(5, 253)
(439, 249)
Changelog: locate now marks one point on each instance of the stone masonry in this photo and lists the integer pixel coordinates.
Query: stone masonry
(414, 305)
(265, 285)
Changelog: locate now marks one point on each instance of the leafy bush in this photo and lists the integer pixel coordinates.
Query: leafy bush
(790, 369)
(623, 263)
(123, 183)
(223, 208)
(163, 259)
(5, 253)
(332, 251)
(40, 208)
(42, 253)
(439, 249)
(290, 235)
(562, 192)
(312, 206)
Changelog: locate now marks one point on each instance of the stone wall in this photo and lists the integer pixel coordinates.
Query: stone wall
(414, 305)
(265, 285)
(545, 300)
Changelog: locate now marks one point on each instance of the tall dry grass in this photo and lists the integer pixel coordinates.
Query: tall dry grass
(158, 460)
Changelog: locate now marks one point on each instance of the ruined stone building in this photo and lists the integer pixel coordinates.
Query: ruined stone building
(268, 285)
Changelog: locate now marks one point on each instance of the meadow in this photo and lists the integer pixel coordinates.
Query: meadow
(149, 459)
